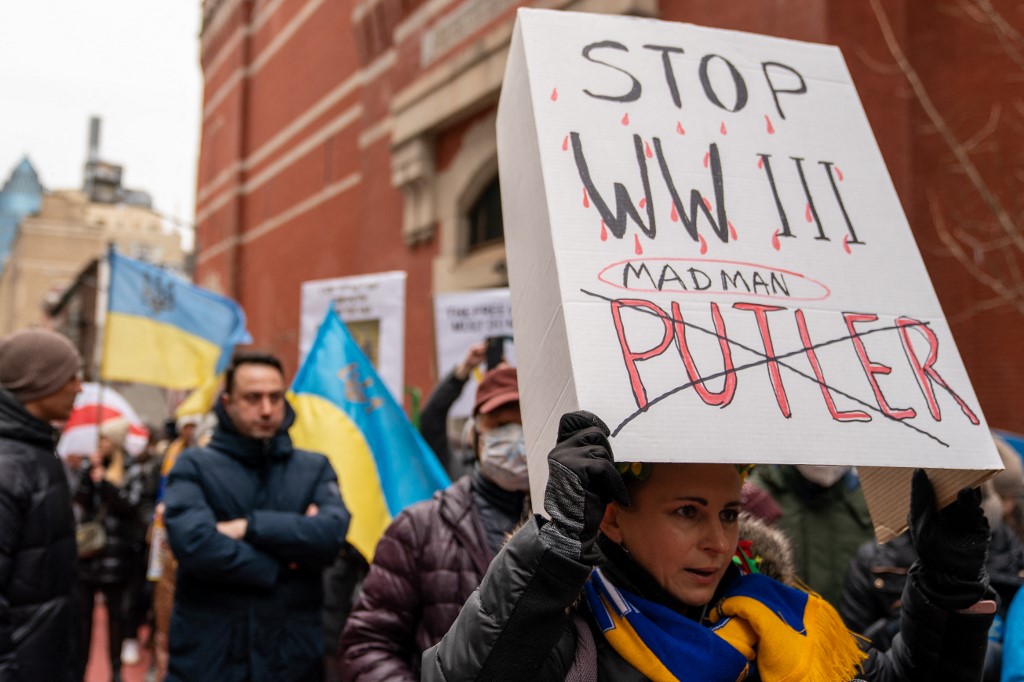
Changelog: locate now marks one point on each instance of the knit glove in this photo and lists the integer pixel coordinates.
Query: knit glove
(582, 480)
(951, 543)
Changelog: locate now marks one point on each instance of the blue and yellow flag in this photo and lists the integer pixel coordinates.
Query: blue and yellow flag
(345, 411)
(164, 331)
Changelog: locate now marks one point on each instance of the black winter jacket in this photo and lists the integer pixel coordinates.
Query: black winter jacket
(251, 609)
(874, 585)
(518, 625)
(118, 562)
(38, 558)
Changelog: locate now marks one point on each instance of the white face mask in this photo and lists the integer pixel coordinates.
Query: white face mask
(825, 475)
(503, 457)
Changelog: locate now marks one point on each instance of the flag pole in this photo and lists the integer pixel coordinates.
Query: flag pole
(99, 337)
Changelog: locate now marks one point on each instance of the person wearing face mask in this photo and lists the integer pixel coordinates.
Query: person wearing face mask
(434, 554)
(825, 516)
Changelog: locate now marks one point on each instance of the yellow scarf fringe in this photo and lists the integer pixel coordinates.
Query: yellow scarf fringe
(826, 652)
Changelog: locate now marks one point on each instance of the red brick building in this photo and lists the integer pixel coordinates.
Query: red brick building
(350, 137)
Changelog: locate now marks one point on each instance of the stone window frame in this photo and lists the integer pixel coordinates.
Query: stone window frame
(436, 203)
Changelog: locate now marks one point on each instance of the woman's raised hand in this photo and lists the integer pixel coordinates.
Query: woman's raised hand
(951, 543)
(582, 480)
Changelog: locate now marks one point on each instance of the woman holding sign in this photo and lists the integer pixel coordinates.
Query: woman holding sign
(669, 602)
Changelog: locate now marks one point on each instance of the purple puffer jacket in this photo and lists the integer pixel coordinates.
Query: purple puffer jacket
(430, 559)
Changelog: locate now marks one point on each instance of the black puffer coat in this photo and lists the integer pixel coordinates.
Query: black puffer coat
(251, 609)
(873, 588)
(519, 625)
(426, 565)
(118, 561)
(38, 558)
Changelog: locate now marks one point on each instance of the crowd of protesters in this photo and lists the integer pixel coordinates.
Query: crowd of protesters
(222, 550)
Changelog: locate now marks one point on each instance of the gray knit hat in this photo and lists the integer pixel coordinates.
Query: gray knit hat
(35, 363)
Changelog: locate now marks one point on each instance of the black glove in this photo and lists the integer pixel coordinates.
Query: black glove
(952, 544)
(582, 480)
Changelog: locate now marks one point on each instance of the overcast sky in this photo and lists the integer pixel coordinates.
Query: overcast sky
(135, 63)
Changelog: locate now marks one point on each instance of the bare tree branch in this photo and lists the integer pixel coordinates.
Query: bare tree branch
(1009, 36)
(961, 155)
(987, 130)
(975, 308)
(997, 286)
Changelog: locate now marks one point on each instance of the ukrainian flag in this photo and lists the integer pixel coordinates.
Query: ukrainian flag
(164, 331)
(344, 410)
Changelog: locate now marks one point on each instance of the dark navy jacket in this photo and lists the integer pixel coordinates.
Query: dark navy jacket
(250, 610)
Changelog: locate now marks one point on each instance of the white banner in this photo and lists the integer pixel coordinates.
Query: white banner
(708, 252)
(373, 309)
(462, 319)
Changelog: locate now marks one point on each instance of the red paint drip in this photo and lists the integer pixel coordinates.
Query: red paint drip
(586, 199)
(675, 213)
(647, 150)
(768, 124)
(636, 245)
(680, 129)
(760, 162)
(565, 144)
(554, 95)
(722, 129)
(839, 174)
(625, 119)
(732, 231)
(707, 203)
(808, 216)
(776, 244)
(846, 243)
(703, 245)
(604, 231)
(643, 202)
(707, 155)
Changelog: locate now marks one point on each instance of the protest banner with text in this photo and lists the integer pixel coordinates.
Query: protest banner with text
(705, 249)
(373, 309)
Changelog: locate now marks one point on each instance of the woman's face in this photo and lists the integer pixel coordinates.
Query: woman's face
(682, 527)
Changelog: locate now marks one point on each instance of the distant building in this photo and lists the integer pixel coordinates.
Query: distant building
(102, 183)
(67, 233)
(343, 138)
(57, 234)
(21, 195)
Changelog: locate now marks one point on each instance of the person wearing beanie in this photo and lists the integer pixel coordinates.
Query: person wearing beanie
(39, 616)
(434, 554)
(110, 491)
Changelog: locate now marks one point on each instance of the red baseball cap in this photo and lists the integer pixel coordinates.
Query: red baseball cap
(499, 387)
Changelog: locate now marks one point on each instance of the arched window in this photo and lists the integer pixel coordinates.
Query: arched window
(484, 218)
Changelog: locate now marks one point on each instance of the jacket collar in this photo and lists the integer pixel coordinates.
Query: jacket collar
(17, 424)
(253, 452)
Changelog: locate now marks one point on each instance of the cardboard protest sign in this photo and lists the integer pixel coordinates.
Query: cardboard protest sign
(706, 250)
(373, 309)
(462, 319)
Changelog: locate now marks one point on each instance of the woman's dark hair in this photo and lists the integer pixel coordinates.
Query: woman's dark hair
(249, 358)
(635, 474)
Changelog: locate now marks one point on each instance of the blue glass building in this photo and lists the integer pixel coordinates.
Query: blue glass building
(21, 196)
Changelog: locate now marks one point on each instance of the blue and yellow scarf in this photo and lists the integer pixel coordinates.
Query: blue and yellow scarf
(788, 634)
